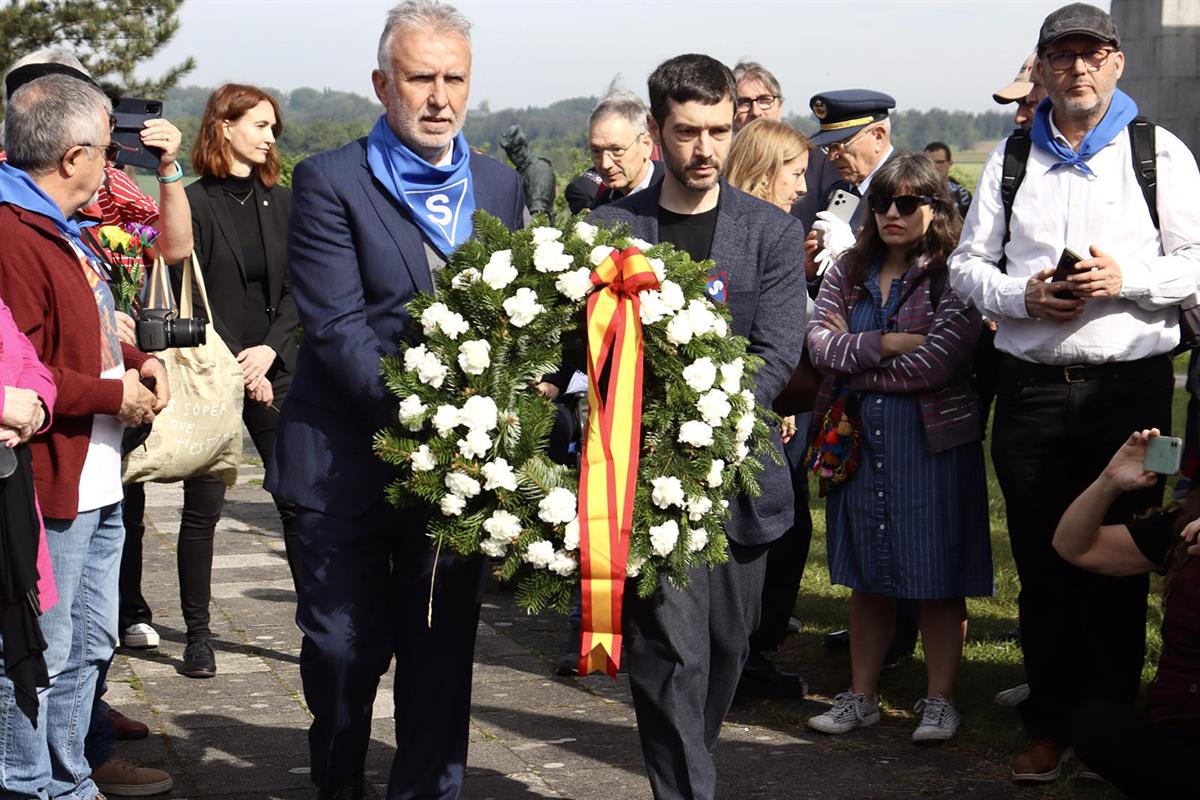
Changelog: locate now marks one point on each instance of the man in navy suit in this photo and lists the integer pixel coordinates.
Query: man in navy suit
(686, 648)
(370, 224)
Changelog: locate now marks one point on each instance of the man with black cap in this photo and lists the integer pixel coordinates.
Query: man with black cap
(1083, 361)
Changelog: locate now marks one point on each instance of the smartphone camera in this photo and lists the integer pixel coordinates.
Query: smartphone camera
(159, 328)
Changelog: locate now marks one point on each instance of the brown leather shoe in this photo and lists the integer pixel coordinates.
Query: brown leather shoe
(127, 729)
(1040, 763)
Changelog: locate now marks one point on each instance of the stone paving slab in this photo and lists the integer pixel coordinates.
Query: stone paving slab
(243, 733)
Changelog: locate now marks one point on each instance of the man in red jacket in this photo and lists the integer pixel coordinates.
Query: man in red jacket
(57, 132)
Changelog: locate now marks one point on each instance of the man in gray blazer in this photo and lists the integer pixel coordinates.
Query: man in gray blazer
(685, 649)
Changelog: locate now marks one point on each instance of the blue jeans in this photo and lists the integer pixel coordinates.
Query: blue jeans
(47, 762)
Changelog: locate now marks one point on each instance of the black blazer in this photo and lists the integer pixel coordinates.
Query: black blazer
(221, 259)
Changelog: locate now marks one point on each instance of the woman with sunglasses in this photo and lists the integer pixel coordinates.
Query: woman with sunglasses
(912, 522)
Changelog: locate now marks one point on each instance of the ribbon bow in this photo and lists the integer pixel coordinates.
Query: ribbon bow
(608, 475)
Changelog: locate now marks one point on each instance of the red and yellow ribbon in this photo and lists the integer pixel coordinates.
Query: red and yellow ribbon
(608, 476)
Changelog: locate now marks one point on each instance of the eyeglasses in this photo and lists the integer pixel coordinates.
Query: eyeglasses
(616, 153)
(1063, 60)
(906, 204)
(763, 101)
(837, 148)
(110, 150)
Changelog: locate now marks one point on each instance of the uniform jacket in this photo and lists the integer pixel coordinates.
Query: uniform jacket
(759, 255)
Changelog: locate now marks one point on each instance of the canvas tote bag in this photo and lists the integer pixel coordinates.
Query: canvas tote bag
(200, 430)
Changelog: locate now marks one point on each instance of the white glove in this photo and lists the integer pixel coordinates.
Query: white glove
(836, 238)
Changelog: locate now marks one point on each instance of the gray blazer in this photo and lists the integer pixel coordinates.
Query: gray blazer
(760, 251)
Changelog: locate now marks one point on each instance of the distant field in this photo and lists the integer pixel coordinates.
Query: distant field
(969, 163)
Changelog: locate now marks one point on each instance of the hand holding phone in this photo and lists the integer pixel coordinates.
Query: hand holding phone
(1065, 268)
(1163, 455)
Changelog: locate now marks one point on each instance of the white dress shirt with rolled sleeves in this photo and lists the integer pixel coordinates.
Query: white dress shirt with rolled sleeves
(1068, 208)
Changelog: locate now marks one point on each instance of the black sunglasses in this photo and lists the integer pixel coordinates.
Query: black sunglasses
(906, 204)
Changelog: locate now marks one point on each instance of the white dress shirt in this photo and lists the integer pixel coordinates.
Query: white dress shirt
(1068, 208)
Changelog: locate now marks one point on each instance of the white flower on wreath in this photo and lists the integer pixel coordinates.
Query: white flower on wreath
(499, 271)
(429, 368)
(462, 484)
(748, 396)
(660, 269)
(543, 234)
(651, 308)
(679, 329)
(476, 444)
(413, 357)
(667, 492)
(585, 231)
(474, 356)
(523, 307)
(551, 257)
(633, 566)
(493, 548)
(465, 278)
(557, 507)
(439, 317)
(740, 453)
(563, 564)
(731, 375)
(423, 459)
(445, 419)
(696, 433)
(576, 284)
(479, 413)
(599, 253)
(412, 413)
(540, 554)
(715, 474)
(571, 535)
(499, 475)
(503, 526)
(452, 505)
(640, 244)
(697, 539)
(697, 506)
(744, 426)
(702, 318)
(664, 537)
(672, 296)
(720, 327)
(700, 375)
(714, 406)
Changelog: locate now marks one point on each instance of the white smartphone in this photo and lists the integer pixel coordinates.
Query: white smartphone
(843, 205)
(1163, 455)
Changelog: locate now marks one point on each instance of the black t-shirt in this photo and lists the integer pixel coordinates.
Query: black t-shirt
(239, 199)
(692, 233)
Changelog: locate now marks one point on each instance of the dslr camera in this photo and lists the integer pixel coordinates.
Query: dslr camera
(159, 328)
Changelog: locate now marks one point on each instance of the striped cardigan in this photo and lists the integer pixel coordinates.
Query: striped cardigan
(938, 372)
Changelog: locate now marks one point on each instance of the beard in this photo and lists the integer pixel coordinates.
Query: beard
(680, 171)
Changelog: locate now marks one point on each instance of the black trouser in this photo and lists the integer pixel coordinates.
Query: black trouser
(1084, 635)
(203, 501)
(1141, 757)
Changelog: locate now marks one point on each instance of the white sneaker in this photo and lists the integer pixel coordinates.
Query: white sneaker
(139, 636)
(850, 710)
(1014, 696)
(939, 720)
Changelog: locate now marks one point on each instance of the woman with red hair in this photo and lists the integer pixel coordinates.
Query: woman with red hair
(239, 225)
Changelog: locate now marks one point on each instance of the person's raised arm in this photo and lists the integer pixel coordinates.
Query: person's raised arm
(174, 215)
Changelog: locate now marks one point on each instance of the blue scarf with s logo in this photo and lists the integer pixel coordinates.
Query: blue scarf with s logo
(1121, 112)
(441, 199)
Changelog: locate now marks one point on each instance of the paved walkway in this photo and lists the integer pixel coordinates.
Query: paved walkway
(242, 734)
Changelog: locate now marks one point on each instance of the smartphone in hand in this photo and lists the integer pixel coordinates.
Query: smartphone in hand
(1066, 268)
(1163, 455)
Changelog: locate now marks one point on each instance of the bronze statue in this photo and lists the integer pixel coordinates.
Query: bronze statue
(536, 171)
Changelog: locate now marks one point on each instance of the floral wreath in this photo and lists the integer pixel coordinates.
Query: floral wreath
(472, 430)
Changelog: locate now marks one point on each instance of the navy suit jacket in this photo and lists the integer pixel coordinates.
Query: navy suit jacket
(355, 259)
(759, 253)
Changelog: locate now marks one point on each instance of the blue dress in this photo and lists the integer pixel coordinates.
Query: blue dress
(909, 524)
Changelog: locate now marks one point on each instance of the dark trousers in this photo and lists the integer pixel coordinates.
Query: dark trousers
(203, 502)
(787, 555)
(1084, 635)
(1141, 757)
(364, 597)
(685, 652)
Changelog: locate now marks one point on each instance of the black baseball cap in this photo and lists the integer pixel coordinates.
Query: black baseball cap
(1078, 19)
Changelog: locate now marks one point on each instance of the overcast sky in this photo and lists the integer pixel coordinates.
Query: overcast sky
(925, 53)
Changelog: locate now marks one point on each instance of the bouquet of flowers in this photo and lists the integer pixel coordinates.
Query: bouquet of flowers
(126, 245)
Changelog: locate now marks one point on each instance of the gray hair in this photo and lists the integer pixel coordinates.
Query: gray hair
(48, 116)
(618, 102)
(419, 15)
(752, 70)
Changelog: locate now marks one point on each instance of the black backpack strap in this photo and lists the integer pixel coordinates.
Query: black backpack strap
(1145, 162)
(1016, 153)
(937, 286)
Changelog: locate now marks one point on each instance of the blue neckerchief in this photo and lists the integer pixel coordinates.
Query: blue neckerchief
(441, 199)
(1120, 113)
(18, 189)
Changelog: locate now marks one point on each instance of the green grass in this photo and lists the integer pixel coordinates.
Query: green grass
(989, 665)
